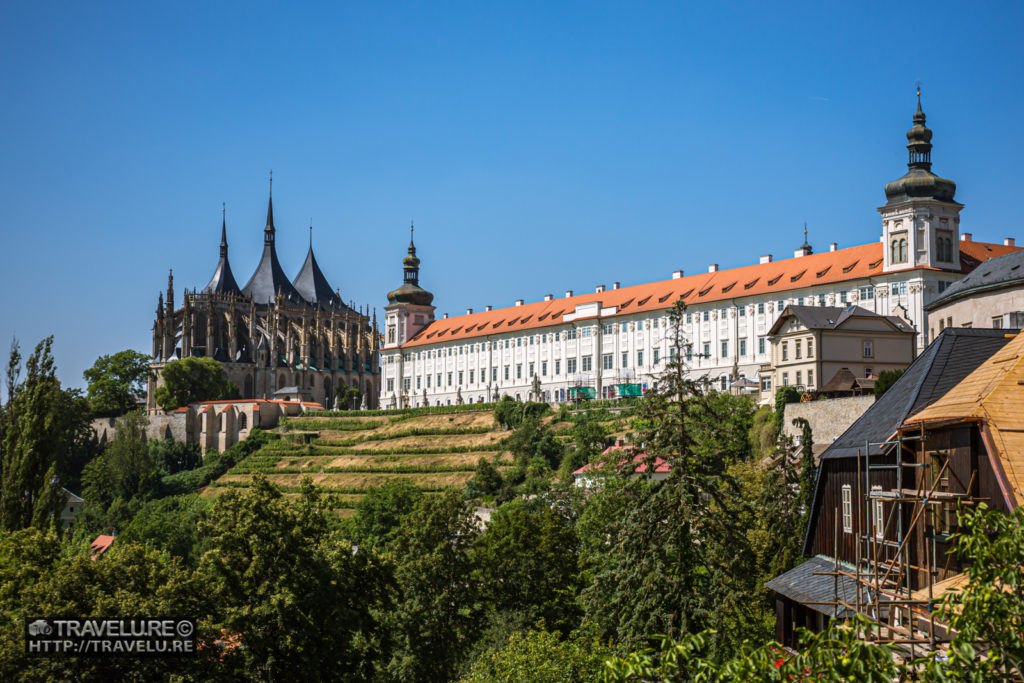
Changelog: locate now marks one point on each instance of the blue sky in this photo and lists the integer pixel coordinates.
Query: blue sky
(538, 146)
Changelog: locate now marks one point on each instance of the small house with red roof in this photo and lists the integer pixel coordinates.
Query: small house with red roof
(621, 456)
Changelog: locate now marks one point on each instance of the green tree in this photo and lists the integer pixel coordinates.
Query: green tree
(762, 433)
(115, 381)
(526, 565)
(539, 656)
(169, 524)
(783, 395)
(987, 614)
(35, 435)
(886, 379)
(348, 398)
(193, 379)
(436, 618)
(589, 438)
(679, 559)
(299, 599)
(486, 481)
(38, 577)
(382, 509)
(836, 654)
(120, 479)
(808, 470)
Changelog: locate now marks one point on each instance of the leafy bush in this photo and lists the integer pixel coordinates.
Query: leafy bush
(509, 413)
(886, 379)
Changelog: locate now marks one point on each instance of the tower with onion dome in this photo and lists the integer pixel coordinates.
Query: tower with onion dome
(920, 219)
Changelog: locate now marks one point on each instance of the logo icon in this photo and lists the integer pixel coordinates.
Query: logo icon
(39, 627)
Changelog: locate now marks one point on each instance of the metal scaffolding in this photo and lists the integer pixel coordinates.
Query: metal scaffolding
(886, 590)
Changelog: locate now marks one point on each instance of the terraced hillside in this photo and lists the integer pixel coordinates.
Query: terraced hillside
(347, 455)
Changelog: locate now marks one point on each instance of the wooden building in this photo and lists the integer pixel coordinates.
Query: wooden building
(882, 512)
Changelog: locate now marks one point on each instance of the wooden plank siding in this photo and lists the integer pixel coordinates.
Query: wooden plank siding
(968, 472)
(836, 473)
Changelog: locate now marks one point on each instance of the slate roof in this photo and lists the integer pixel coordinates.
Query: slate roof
(832, 317)
(269, 277)
(954, 354)
(947, 360)
(223, 281)
(1002, 271)
(803, 585)
(776, 277)
(311, 284)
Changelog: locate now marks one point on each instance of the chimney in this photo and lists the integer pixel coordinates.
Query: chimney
(677, 274)
(713, 268)
(767, 258)
(833, 246)
(488, 307)
(1009, 242)
(800, 252)
(568, 293)
(519, 302)
(445, 316)
(548, 297)
(966, 237)
(599, 289)
(615, 285)
(469, 311)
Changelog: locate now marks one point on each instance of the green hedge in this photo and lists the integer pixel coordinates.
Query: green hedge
(408, 412)
(359, 469)
(384, 436)
(333, 489)
(336, 425)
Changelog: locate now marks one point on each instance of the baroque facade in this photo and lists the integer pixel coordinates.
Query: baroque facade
(274, 337)
(617, 341)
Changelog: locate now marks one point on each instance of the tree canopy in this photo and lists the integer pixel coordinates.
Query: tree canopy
(191, 380)
(115, 381)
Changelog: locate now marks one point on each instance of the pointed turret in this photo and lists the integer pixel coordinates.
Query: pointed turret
(269, 279)
(223, 281)
(313, 286)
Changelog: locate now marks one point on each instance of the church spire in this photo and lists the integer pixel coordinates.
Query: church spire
(223, 230)
(268, 232)
(410, 263)
(919, 139)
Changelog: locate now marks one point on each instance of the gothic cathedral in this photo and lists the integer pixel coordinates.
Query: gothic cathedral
(274, 337)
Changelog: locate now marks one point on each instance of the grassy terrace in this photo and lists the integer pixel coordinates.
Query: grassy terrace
(347, 453)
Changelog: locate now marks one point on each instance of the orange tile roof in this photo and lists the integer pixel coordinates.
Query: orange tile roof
(776, 277)
(994, 395)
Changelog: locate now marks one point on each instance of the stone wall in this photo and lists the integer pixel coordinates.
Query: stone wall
(829, 418)
(211, 424)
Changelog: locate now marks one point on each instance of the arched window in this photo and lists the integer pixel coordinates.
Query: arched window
(280, 381)
(894, 252)
(949, 249)
(903, 251)
(220, 422)
(243, 421)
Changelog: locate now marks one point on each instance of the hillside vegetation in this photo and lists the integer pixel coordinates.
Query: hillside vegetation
(347, 453)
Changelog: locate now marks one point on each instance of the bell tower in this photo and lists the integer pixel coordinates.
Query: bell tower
(409, 307)
(920, 219)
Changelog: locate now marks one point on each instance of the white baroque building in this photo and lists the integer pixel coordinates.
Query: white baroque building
(617, 340)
